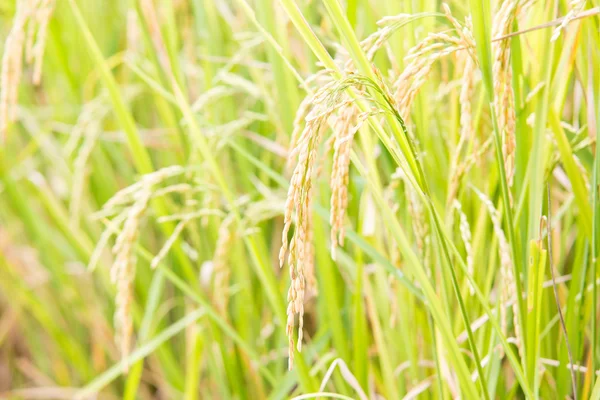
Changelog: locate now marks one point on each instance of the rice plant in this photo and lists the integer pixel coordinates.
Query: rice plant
(282, 199)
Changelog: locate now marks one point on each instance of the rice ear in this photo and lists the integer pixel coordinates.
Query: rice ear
(30, 23)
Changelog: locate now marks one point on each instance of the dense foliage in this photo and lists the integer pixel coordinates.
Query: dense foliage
(276, 198)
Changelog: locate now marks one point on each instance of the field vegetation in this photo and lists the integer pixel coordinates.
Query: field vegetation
(250, 199)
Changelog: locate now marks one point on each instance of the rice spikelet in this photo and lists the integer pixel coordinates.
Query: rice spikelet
(303, 110)
(466, 127)
(504, 101)
(129, 205)
(466, 94)
(467, 89)
(344, 135)
(123, 272)
(298, 199)
(298, 208)
(298, 251)
(575, 7)
(422, 57)
(388, 25)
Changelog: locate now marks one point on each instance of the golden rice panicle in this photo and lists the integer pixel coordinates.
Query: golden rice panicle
(375, 41)
(465, 31)
(31, 20)
(297, 284)
(298, 211)
(502, 71)
(293, 194)
(129, 206)
(343, 132)
(420, 62)
(303, 110)
(467, 88)
(469, 73)
(466, 126)
(12, 67)
(123, 270)
(305, 152)
(297, 200)
(466, 93)
(309, 268)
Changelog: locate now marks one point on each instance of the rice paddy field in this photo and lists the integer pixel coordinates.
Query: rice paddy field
(297, 199)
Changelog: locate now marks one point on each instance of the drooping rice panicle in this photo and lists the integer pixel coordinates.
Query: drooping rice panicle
(129, 205)
(288, 118)
(27, 39)
(12, 67)
(502, 71)
(343, 133)
(420, 62)
(467, 131)
(298, 200)
(123, 271)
